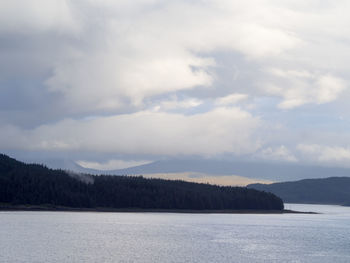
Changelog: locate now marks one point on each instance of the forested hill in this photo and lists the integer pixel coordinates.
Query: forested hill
(332, 190)
(32, 184)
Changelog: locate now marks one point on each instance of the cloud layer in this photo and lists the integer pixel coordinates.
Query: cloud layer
(222, 130)
(165, 78)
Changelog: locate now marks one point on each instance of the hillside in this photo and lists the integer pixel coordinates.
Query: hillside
(32, 184)
(332, 190)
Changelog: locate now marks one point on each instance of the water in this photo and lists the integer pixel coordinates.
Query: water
(170, 237)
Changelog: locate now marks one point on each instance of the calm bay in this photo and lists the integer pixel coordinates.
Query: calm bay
(173, 237)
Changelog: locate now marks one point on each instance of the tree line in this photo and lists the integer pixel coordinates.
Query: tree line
(34, 184)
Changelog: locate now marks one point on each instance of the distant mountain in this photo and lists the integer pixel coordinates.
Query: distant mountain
(332, 190)
(63, 164)
(256, 170)
(33, 184)
(270, 171)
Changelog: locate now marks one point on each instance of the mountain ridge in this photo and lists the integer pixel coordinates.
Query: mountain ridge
(269, 171)
(331, 190)
(249, 169)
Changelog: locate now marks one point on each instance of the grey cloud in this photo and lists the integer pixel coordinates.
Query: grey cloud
(228, 130)
(69, 65)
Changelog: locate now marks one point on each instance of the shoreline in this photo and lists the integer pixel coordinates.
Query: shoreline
(33, 208)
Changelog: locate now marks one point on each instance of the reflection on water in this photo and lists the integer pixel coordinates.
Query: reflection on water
(171, 237)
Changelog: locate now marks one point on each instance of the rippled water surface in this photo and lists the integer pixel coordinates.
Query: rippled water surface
(171, 237)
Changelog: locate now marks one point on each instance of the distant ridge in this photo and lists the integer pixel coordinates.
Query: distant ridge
(332, 190)
(257, 170)
(270, 171)
(63, 164)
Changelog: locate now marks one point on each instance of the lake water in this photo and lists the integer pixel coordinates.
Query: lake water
(171, 237)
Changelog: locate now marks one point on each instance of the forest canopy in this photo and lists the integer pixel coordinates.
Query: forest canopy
(34, 184)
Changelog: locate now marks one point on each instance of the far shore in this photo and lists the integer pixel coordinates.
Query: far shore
(5, 207)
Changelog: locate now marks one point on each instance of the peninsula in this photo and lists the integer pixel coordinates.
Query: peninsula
(34, 186)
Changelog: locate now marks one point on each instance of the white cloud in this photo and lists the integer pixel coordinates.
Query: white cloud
(301, 87)
(111, 164)
(325, 154)
(175, 103)
(119, 52)
(91, 58)
(222, 130)
(125, 52)
(155, 49)
(231, 99)
(21, 16)
(106, 80)
(329, 88)
(280, 153)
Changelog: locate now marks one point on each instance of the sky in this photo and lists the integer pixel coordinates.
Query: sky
(112, 84)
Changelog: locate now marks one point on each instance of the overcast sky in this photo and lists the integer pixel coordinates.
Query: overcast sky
(111, 83)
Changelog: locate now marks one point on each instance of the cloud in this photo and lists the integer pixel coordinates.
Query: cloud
(280, 153)
(156, 77)
(301, 87)
(20, 16)
(108, 55)
(222, 130)
(175, 103)
(112, 164)
(107, 80)
(325, 154)
(231, 99)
